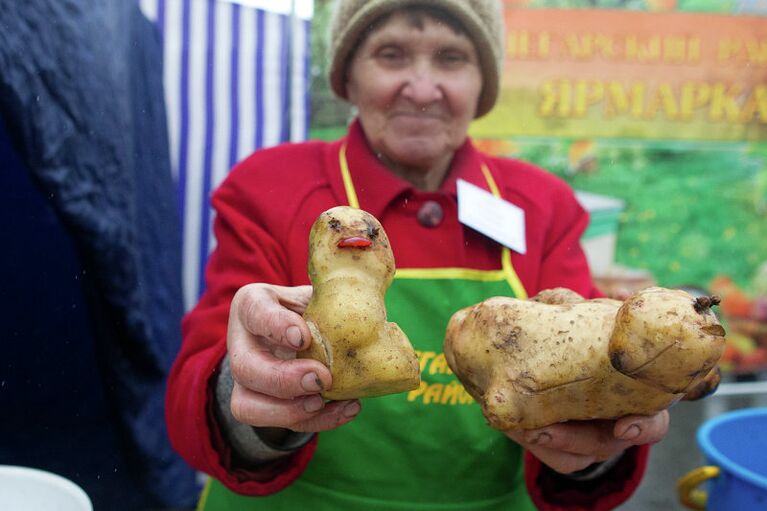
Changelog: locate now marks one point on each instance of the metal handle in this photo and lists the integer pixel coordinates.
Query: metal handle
(687, 487)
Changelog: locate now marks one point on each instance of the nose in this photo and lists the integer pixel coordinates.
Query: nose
(423, 86)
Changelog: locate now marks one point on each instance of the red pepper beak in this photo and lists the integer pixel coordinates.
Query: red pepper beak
(354, 242)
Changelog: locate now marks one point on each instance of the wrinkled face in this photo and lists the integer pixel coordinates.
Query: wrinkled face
(416, 87)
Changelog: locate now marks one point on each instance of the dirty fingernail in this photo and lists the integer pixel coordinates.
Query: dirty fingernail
(540, 439)
(311, 382)
(294, 336)
(313, 404)
(631, 433)
(352, 409)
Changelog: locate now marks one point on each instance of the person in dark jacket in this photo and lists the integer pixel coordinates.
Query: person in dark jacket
(94, 283)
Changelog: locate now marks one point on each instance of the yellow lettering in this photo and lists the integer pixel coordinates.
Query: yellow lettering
(604, 45)
(757, 52)
(694, 96)
(454, 393)
(643, 51)
(518, 44)
(728, 48)
(580, 46)
(721, 102)
(752, 51)
(548, 99)
(564, 102)
(621, 101)
(413, 394)
(424, 357)
(587, 93)
(693, 50)
(439, 365)
(433, 393)
(724, 102)
(544, 44)
(663, 99)
(674, 49)
(556, 99)
(523, 44)
(451, 393)
(755, 108)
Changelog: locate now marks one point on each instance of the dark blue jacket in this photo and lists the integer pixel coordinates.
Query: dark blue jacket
(82, 102)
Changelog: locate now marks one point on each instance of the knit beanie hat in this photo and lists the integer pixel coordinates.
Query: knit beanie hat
(482, 20)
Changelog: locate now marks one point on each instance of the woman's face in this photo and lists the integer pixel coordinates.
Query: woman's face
(416, 87)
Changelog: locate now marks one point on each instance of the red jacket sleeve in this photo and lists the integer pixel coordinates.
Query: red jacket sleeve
(246, 252)
(553, 492)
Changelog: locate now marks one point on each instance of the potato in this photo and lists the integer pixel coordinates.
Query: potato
(351, 266)
(531, 363)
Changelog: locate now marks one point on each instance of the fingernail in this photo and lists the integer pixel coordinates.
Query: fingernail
(294, 336)
(540, 439)
(313, 404)
(631, 433)
(311, 382)
(352, 409)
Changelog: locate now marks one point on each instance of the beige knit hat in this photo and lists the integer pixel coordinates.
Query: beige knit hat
(482, 20)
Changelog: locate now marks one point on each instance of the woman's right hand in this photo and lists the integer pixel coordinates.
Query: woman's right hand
(273, 388)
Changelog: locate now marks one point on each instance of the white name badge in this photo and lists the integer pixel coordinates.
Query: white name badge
(496, 218)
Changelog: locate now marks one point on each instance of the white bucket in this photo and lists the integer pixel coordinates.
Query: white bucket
(29, 489)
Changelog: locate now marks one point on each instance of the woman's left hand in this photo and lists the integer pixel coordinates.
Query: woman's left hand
(571, 446)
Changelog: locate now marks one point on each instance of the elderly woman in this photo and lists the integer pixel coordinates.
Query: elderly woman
(245, 411)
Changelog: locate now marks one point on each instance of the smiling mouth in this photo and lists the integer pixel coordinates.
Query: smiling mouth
(426, 116)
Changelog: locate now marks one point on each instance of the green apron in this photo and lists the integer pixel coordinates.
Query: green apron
(428, 449)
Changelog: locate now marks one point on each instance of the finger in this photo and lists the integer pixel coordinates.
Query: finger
(262, 410)
(587, 438)
(258, 311)
(308, 413)
(255, 315)
(260, 371)
(639, 430)
(335, 414)
(294, 298)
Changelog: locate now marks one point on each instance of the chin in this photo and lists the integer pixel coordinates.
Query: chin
(418, 147)
(417, 155)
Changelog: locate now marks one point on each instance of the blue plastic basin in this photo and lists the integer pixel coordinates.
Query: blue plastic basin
(736, 442)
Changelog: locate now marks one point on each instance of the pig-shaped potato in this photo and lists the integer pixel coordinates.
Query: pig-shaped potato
(558, 357)
(351, 266)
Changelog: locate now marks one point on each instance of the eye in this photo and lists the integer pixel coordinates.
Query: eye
(451, 57)
(390, 54)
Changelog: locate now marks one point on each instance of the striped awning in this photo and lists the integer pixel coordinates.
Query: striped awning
(236, 79)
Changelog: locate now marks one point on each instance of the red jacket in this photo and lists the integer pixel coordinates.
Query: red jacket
(265, 209)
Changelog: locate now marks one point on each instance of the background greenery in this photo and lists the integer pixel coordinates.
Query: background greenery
(693, 211)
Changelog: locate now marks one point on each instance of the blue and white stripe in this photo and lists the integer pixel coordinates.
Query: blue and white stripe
(236, 79)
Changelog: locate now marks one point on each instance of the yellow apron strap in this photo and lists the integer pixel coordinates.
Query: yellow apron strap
(506, 267)
(511, 275)
(351, 193)
(204, 495)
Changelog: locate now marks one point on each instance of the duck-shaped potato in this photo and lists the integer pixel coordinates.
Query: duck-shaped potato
(351, 266)
(558, 357)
